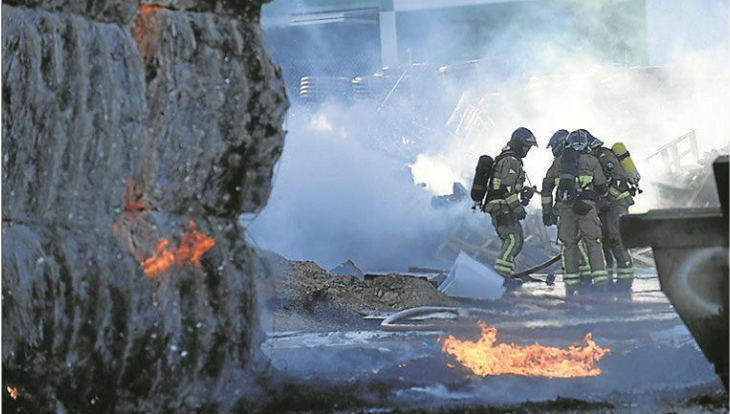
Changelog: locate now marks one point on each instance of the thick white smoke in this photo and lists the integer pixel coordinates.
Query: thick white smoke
(336, 196)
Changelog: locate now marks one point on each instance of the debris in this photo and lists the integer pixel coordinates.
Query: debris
(435, 276)
(305, 289)
(348, 268)
(459, 193)
(425, 270)
(687, 176)
(471, 279)
(434, 279)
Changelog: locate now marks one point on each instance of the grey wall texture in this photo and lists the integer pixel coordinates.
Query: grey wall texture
(133, 133)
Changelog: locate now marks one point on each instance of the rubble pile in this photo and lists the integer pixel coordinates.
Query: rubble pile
(685, 177)
(300, 286)
(133, 136)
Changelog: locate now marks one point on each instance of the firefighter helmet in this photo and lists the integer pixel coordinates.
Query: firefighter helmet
(557, 141)
(578, 140)
(593, 142)
(522, 140)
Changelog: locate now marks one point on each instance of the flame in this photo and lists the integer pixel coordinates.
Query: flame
(192, 246)
(484, 358)
(146, 30)
(150, 8)
(12, 391)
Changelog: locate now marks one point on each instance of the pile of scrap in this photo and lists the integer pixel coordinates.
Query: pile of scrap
(348, 268)
(308, 291)
(458, 194)
(688, 175)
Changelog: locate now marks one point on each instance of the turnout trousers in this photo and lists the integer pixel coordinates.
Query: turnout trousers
(574, 228)
(510, 233)
(613, 248)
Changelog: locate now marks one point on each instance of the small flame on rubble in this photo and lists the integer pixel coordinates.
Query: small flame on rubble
(12, 391)
(146, 31)
(192, 246)
(150, 8)
(484, 357)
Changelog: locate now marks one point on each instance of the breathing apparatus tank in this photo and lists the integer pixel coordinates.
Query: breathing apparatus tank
(481, 178)
(626, 162)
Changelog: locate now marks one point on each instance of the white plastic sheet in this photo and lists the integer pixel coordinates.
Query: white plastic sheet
(471, 279)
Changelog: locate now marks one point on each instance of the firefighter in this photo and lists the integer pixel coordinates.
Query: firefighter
(506, 197)
(614, 204)
(581, 182)
(557, 143)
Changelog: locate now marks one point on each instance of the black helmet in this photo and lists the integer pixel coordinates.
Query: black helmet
(593, 142)
(557, 141)
(578, 140)
(522, 140)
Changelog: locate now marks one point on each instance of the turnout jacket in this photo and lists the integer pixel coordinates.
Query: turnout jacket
(590, 179)
(507, 180)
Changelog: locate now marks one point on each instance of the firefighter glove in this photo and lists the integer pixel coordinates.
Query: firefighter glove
(526, 195)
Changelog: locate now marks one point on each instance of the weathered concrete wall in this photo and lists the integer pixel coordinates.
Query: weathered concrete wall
(120, 128)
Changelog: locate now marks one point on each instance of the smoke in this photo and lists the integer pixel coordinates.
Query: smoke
(340, 193)
(334, 198)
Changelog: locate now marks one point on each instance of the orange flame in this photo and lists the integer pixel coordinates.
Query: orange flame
(146, 30)
(12, 391)
(192, 246)
(484, 358)
(150, 8)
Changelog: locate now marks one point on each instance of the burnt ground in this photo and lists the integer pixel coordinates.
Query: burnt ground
(329, 354)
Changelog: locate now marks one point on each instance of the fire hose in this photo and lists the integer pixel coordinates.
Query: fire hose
(537, 268)
(389, 323)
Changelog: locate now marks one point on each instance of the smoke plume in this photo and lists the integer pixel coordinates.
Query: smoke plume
(643, 73)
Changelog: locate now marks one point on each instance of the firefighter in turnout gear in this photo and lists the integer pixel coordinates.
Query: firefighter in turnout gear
(614, 204)
(580, 184)
(503, 203)
(549, 218)
(556, 143)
